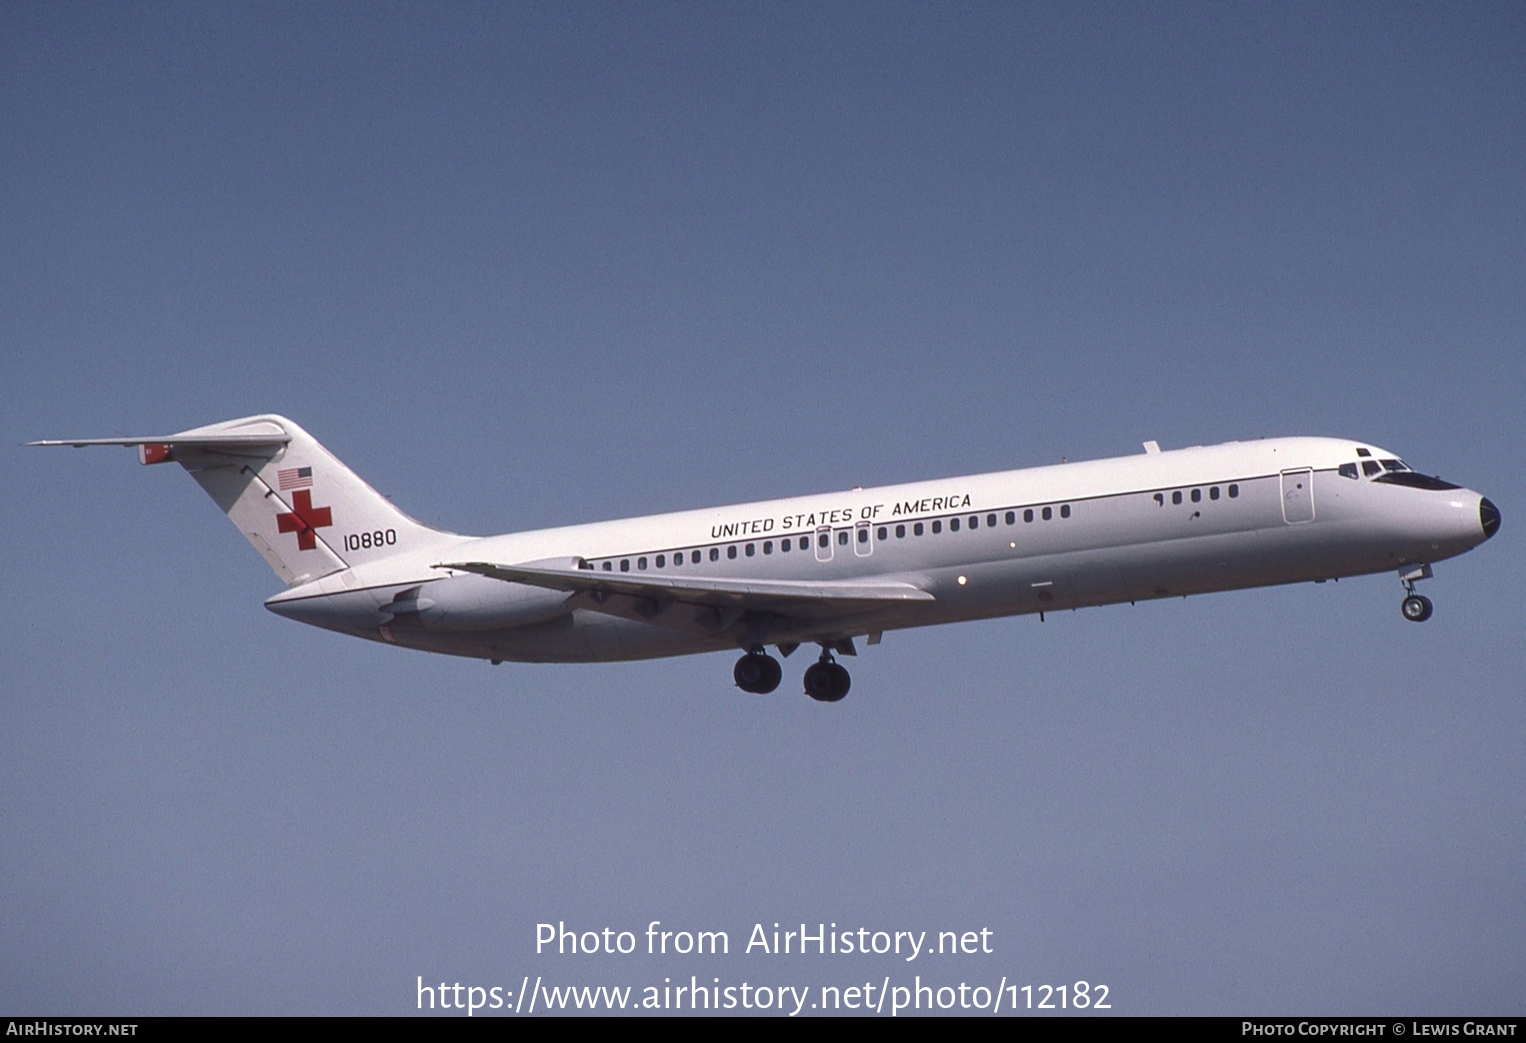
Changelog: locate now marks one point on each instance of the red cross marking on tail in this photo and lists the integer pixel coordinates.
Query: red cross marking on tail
(304, 518)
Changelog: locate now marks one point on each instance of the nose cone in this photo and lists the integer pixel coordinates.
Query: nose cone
(1488, 517)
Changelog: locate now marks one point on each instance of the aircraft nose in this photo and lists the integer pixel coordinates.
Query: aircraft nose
(1488, 517)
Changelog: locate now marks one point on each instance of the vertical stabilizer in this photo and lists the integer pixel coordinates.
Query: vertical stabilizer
(305, 512)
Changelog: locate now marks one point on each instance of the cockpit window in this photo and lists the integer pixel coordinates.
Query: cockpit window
(1348, 470)
(1415, 481)
(1363, 452)
(1371, 467)
(1394, 465)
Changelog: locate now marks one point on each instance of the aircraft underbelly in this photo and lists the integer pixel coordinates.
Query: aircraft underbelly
(1102, 576)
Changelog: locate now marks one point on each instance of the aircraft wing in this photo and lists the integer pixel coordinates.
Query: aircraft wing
(648, 597)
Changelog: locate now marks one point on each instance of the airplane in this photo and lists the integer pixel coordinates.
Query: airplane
(824, 569)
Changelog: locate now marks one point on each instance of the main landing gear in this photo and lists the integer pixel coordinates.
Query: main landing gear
(826, 681)
(757, 672)
(1416, 608)
(760, 673)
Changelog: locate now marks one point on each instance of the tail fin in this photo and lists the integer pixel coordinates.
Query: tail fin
(305, 512)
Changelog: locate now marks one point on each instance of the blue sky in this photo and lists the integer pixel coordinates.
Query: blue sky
(536, 264)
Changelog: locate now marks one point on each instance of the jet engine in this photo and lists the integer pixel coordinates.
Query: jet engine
(468, 602)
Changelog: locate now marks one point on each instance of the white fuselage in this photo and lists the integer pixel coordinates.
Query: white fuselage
(1154, 525)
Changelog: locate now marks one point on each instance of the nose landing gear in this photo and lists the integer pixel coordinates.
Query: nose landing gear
(757, 673)
(826, 681)
(1416, 608)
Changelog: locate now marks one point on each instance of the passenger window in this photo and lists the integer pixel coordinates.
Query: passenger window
(715, 554)
(678, 559)
(1176, 497)
(1028, 515)
(1065, 511)
(661, 560)
(1011, 517)
(884, 534)
(1048, 513)
(625, 564)
(1347, 470)
(863, 535)
(823, 540)
(842, 538)
(974, 521)
(1234, 491)
(1160, 500)
(784, 546)
(1197, 496)
(731, 551)
(609, 566)
(641, 564)
(937, 526)
(900, 532)
(953, 525)
(768, 546)
(805, 543)
(916, 529)
(991, 521)
(1371, 467)
(1213, 494)
(752, 550)
(694, 558)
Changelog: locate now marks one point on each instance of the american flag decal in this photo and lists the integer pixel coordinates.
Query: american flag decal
(295, 478)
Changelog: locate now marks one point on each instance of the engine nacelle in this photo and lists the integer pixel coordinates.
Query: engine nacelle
(468, 602)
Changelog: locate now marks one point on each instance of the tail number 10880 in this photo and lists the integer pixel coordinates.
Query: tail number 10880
(368, 540)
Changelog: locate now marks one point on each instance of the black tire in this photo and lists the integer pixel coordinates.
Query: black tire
(818, 682)
(841, 682)
(748, 673)
(757, 673)
(1417, 608)
(827, 682)
(773, 674)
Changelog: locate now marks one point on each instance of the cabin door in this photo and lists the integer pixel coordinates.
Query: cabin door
(1298, 496)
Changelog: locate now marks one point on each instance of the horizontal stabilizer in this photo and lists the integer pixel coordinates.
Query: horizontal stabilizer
(787, 596)
(197, 440)
(257, 433)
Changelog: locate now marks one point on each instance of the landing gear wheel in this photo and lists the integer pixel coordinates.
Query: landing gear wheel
(774, 674)
(757, 673)
(1417, 608)
(827, 682)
